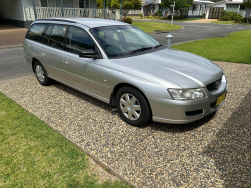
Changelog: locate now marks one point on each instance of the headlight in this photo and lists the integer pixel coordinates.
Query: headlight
(187, 94)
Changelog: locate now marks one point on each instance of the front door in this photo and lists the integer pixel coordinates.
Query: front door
(83, 73)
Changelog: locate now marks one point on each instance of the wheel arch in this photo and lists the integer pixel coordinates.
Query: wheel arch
(120, 85)
(33, 63)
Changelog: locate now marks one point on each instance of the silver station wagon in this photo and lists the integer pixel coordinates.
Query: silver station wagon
(126, 68)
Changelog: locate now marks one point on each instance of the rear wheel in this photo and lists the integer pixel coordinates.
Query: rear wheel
(41, 74)
(132, 106)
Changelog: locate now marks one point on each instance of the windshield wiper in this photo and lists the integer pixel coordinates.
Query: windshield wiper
(157, 46)
(141, 49)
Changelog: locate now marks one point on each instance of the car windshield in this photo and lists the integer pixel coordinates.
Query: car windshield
(118, 41)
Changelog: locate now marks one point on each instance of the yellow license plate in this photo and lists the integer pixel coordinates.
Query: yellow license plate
(220, 99)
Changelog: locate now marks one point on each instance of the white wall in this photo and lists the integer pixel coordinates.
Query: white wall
(220, 5)
(12, 9)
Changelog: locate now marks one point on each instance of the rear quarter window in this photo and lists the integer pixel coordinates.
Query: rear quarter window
(35, 32)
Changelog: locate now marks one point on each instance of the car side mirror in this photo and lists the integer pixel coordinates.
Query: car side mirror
(88, 53)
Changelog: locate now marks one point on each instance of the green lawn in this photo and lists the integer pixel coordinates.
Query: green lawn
(234, 48)
(230, 23)
(34, 155)
(149, 27)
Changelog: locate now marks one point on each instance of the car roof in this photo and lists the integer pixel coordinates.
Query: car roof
(89, 22)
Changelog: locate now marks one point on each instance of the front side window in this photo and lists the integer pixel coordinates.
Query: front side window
(78, 40)
(119, 41)
(35, 32)
(57, 36)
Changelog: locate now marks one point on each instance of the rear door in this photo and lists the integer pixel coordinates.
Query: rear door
(52, 49)
(83, 73)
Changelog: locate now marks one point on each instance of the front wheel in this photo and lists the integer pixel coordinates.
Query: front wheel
(132, 106)
(41, 74)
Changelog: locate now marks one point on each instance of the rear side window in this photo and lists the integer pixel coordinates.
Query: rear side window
(47, 35)
(78, 40)
(57, 36)
(35, 32)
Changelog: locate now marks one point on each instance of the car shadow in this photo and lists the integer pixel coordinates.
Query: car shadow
(231, 148)
(81, 96)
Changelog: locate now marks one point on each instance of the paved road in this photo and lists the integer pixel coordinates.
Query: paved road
(12, 64)
(198, 31)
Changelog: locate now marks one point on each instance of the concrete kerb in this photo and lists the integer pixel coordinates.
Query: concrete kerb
(11, 46)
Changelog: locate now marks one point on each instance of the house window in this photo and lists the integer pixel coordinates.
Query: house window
(232, 7)
(44, 3)
(81, 3)
(242, 7)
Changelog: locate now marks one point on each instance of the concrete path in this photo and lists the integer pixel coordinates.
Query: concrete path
(11, 35)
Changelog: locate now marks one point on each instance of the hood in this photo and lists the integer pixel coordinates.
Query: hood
(182, 68)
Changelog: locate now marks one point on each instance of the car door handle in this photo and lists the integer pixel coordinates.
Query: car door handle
(43, 53)
(67, 61)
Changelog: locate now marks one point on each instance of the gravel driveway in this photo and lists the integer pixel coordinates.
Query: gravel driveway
(212, 152)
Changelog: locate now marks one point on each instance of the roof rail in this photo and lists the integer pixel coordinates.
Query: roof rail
(59, 20)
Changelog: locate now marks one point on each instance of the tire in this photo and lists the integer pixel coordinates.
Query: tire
(132, 106)
(41, 74)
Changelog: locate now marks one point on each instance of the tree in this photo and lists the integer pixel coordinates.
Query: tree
(100, 4)
(247, 4)
(126, 5)
(181, 5)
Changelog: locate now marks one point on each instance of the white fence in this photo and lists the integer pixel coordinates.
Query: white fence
(131, 12)
(196, 12)
(48, 12)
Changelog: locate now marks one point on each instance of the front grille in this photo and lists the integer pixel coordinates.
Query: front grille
(214, 85)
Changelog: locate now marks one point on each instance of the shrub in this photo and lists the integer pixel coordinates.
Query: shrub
(244, 20)
(249, 19)
(203, 15)
(150, 16)
(237, 17)
(225, 18)
(223, 13)
(127, 20)
(175, 17)
(230, 15)
(158, 13)
(141, 15)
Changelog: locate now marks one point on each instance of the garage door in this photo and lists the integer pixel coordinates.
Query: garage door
(215, 12)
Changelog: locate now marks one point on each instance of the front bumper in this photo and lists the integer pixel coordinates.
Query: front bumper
(180, 112)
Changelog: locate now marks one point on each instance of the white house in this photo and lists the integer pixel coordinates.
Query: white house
(195, 10)
(21, 12)
(214, 10)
